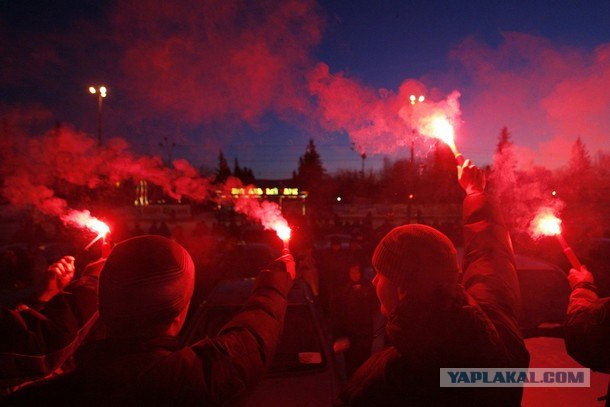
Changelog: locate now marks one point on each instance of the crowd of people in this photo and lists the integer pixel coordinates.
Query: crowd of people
(112, 334)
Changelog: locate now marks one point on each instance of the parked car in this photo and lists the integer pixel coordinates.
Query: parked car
(303, 371)
(544, 296)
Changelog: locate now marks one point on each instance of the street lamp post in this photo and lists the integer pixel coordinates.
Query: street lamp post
(411, 176)
(101, 94)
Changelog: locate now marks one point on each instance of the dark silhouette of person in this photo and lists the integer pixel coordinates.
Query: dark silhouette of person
(587, 327)
(434, 321)
(144, 292)
(355, 306)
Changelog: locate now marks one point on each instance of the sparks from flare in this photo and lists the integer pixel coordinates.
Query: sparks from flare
(83, 219)
(438, 126)
(267, 213)
(547, 224)
(283, 232)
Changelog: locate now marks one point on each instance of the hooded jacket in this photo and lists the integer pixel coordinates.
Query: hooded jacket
(475, 327)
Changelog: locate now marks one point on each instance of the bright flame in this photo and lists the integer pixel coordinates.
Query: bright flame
(283, 232)
(546, 223)
(84, 219)
(438, 126)
(441, 129)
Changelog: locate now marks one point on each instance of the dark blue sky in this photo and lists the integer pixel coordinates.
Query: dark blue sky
(53, 50)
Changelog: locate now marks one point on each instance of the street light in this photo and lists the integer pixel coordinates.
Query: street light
(414, 99)
(411, 176)
(101, 93)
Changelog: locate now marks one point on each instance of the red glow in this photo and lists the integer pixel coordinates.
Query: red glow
(440, 128)
(546, 223)
(283, 231)
(84, 219)
(267, 213)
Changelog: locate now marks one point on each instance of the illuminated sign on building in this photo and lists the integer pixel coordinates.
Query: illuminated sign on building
(258, 192)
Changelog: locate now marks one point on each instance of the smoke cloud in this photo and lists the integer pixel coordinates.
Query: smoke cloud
(377, 120)
(227, 61)
(546, 94)
(267, 213)
(65, 158)
(33, 168)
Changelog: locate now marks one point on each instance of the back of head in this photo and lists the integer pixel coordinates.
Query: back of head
(417, 259)
(147, 282)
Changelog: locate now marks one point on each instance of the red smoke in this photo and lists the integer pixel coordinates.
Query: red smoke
(33, 167)
(377, 121)
(226, 61)
(70, 159)
(267, 213)
(547, 95)
(83, 219)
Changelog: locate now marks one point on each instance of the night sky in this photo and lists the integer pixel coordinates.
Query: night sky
(259, 78)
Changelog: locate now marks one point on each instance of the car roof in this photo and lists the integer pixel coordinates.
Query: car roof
(521, 261)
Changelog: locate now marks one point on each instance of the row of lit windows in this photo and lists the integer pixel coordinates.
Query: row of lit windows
(266, 191)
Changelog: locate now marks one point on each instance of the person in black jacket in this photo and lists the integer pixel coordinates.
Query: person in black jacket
(144, 292)
(587, 327)
(353, 317)
(40, 335)
(434, 321)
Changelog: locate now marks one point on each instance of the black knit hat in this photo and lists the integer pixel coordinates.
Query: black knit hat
(147, 280)
(411, 255)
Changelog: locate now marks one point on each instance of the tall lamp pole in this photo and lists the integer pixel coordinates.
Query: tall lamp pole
(411, 176)
(101, 94)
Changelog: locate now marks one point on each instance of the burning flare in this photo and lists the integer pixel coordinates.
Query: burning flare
(83, 219)
(283, 231)
(267, 213)
(436, 121)
(546, 223)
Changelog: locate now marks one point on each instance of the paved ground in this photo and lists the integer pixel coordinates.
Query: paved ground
(551, 352)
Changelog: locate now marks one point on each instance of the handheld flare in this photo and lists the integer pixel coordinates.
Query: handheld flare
(283, 232)
(567, 250)
(442, 129)
(547, 224)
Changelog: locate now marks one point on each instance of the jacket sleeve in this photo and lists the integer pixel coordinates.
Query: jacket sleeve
(490, 275)
(36, 340)
(239, 355)
(587, 329)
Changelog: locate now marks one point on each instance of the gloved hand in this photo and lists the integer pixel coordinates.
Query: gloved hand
(582, 276)
(285, 263)
(471, 178)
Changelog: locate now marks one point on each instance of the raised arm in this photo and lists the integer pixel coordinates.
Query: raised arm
(38, 338)
(587, 328)
(240, 354)
(489, 267)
